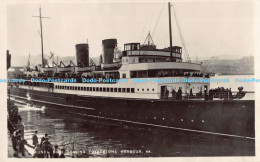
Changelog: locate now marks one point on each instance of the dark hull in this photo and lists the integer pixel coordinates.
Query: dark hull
(225, 118)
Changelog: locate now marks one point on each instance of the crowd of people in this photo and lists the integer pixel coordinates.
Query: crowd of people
(18, 142)
(16, 133)
(112, 75)
(183, 74)
(45, 149)
(13, 115)
(175, 95)
(221, 92)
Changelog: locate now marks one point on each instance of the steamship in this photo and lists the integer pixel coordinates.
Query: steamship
(154, 96)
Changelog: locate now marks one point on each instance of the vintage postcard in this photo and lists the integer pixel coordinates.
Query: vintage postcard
(172, 80)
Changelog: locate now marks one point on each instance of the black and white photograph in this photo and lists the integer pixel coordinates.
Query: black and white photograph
(130, 79)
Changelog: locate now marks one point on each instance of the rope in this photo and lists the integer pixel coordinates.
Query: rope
(212, 57)
(186, 54)
(156, 23)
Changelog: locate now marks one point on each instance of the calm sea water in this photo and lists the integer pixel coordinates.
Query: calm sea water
(75, 135)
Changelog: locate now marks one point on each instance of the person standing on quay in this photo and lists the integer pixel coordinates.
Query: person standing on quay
(62, 155)
(14, 139)
(42, 146)
(43, 139)
(35, 138)
(56, 153)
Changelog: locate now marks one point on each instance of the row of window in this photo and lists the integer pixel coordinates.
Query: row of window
(96, 89)
(143, 89)
(100, 89)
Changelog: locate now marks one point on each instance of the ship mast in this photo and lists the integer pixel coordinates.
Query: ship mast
(170, 30)
(40, 17)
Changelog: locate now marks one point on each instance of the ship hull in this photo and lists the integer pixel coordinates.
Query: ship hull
(224, 118)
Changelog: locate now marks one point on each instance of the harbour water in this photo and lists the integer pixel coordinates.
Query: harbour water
(80, 140)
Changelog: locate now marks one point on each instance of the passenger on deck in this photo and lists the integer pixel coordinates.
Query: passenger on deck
(230, 94)
(191, 92)
(179, 95)
(199, 94)
(166, 94)
(173, 94)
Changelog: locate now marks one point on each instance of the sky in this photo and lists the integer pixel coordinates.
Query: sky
(209, 27)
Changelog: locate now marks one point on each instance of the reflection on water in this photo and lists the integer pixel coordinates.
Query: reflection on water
(117, 142)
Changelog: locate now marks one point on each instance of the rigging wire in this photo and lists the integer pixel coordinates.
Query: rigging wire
(186, 54)
(156, 23)
(212, 57)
